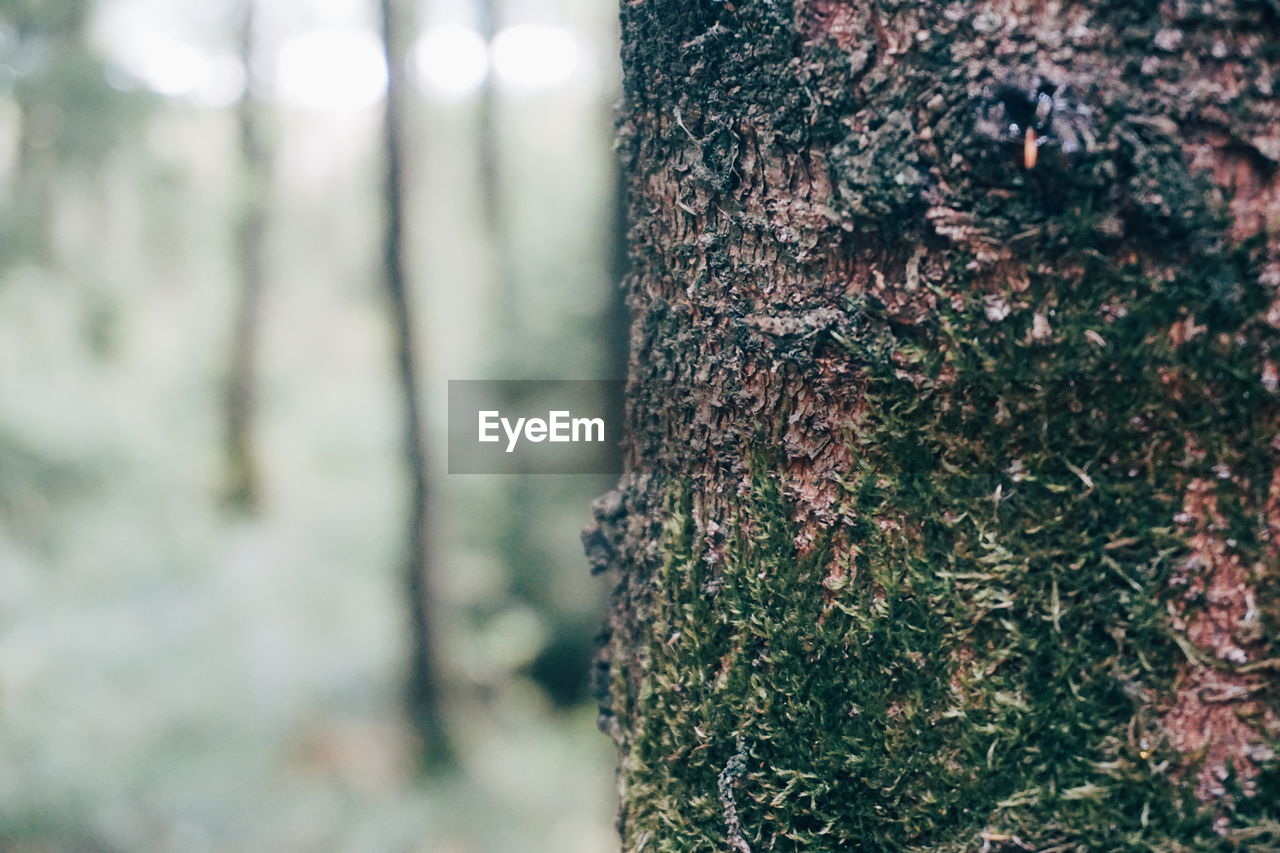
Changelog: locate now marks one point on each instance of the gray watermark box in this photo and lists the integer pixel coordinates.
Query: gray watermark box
(535, 426)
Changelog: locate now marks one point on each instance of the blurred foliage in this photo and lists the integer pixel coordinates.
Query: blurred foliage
(68, 118)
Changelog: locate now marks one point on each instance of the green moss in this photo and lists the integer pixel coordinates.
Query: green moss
(986, 646)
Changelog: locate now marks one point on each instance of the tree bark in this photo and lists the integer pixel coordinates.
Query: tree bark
(952, 512)
(423, 688)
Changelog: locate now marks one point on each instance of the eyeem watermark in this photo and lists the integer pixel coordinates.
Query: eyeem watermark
(559, 426)
(535, 426)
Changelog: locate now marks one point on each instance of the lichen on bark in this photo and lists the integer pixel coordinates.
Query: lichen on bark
(950, 520)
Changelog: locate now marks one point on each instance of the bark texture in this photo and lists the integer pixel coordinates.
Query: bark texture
(952, 519)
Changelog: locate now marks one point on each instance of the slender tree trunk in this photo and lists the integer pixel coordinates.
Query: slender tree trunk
(423, 693)
(525, 572)
(952, 519)
(492, 202)
(242, 491)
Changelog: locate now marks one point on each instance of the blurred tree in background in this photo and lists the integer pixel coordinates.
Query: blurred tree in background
(425, 688)
(250, 224)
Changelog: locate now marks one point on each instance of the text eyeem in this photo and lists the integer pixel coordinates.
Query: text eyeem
(560, 426)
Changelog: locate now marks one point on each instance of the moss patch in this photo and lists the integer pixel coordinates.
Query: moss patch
(981, 653)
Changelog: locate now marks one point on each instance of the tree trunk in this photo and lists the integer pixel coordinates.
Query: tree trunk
(243, 486)
(423, 689)
(493, 202)
(513, 538)
(952, 517)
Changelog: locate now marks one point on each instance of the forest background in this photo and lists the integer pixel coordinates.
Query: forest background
(204, 630)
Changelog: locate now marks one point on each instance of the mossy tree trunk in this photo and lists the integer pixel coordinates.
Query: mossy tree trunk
(953, 506)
